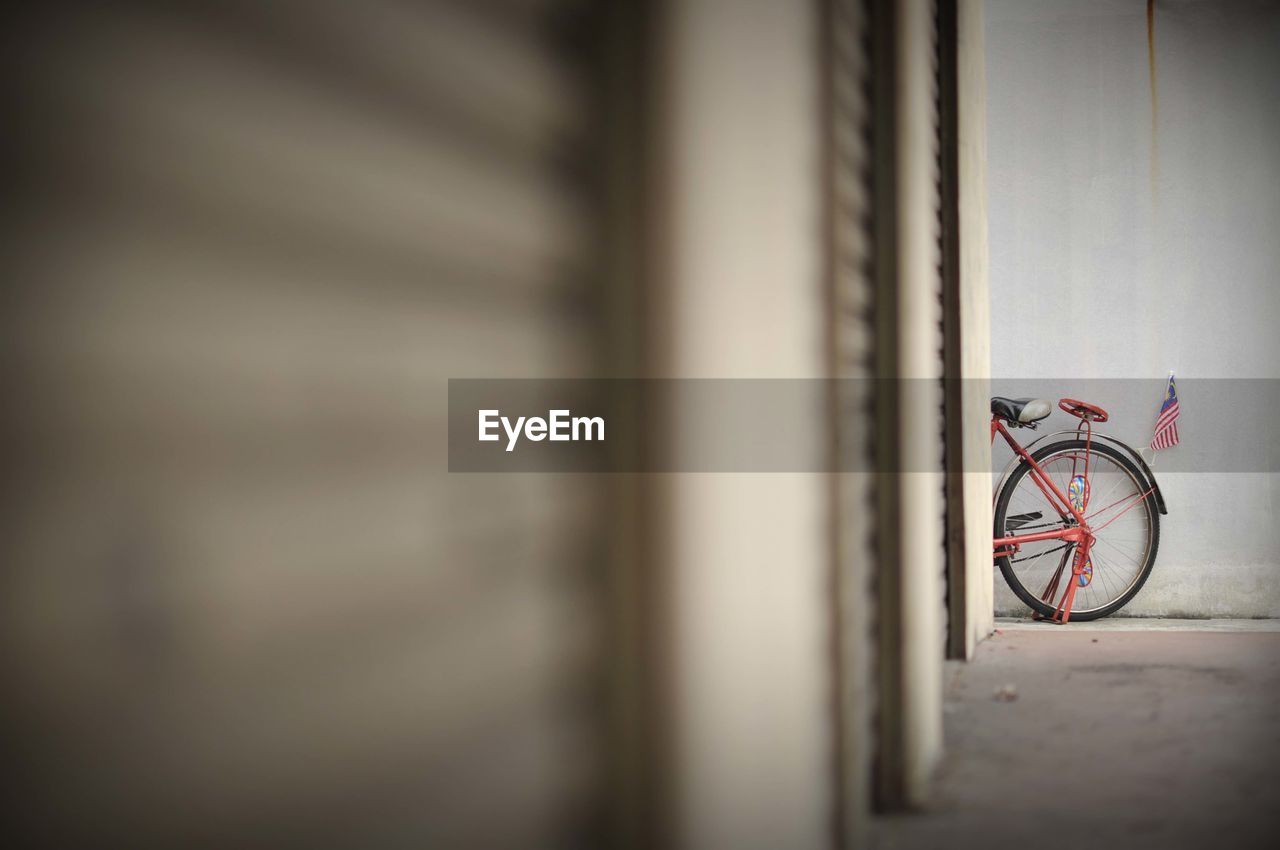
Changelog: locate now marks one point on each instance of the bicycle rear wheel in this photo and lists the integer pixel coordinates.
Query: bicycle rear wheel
(1126, 525)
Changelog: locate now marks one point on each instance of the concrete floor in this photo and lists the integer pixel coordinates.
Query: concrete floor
(1143, 624)
(1124, 734)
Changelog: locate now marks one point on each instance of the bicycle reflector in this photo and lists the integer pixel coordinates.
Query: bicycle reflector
(1078, 492)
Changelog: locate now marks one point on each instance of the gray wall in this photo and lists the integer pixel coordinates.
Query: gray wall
(1162, 232)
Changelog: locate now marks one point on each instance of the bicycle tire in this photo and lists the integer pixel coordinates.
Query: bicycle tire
(1149, 504)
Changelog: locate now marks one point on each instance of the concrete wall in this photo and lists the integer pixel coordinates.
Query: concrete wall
(746, 553)
(1160, 226)
(975, 313)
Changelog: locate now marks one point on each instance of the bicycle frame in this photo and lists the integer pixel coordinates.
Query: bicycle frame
(1079, 534)
(1057, 500)
(1147, 475)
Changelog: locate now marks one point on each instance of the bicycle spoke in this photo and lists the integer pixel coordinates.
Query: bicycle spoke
(1109, 493)
(1122, 529)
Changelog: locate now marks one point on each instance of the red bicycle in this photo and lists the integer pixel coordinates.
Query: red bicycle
(1089, 500)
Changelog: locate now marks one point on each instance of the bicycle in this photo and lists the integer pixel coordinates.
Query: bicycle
(1091, 498)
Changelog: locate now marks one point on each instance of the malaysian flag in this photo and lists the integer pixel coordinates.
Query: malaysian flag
(1166, 433)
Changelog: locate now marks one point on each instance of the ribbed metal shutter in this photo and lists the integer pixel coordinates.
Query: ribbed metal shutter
(853, 333)
(244, 602)
(907, 594)
(949, 274)
(942, 147)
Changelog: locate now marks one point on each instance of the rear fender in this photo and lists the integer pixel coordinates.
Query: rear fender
(1142, 465)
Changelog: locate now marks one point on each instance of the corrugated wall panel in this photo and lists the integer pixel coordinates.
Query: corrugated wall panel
(855, 403)
(243, 599)
(909, 447)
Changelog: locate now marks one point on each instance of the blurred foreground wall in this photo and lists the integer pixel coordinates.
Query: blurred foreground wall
(242, 600)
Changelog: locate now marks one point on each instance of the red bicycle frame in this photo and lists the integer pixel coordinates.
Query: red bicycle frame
(1076, 528)
(1078, 534)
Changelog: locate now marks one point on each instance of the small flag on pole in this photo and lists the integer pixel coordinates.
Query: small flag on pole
(1166, 433)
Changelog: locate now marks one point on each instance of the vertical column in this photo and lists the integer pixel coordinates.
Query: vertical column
(974, 305)
(746, 555)
(852, 327)
(910, 587)
(920, 365)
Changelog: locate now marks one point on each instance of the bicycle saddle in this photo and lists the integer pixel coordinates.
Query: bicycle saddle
(1023, 410)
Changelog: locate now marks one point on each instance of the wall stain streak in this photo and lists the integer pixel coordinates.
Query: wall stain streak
(1155, 109)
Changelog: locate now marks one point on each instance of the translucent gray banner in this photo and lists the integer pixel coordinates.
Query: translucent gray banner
(833, 425)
